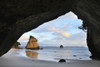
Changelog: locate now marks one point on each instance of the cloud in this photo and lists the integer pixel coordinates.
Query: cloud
(61, 22)
(41, 29)
(71, 15)
(65, 34)
(78, 39)
(60, 31)
(63, 30)
(23, 38)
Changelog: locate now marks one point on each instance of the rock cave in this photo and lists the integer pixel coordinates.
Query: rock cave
(20, 16)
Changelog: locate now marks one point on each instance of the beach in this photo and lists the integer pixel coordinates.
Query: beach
(56, 53)
(12, 59)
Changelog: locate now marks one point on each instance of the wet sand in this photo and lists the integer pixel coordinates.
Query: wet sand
(12, 59)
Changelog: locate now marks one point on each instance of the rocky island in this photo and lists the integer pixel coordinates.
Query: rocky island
(32, 44)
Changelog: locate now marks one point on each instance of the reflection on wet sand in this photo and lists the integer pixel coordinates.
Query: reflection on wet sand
(32, 54)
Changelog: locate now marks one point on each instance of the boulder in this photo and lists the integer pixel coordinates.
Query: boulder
(61, 46)
(62, 60)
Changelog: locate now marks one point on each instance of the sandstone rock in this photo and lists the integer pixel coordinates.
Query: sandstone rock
(32, 44)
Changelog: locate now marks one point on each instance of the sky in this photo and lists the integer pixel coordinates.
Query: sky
(61, 31)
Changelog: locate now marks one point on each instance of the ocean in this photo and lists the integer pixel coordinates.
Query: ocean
(56, 53)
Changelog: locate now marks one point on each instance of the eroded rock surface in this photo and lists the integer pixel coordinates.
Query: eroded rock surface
(32, 43)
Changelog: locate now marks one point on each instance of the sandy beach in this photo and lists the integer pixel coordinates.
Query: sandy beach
(12, 59)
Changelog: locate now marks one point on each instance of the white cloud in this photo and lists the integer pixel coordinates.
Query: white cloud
(78, 39)
(23, 38)
(68, 16)
(61, 22)
(60, 31)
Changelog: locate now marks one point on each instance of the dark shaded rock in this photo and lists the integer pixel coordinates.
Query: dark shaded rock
(74, 55)
(16, 45)
(91, 23)
(20, 16)
(95, 57)
(61, 46)
(62, 60)
(41, 48)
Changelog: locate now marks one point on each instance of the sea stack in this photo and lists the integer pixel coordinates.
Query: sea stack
(61, 46)
(32, 44)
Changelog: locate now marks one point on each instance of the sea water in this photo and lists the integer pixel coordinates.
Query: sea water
(56, 53)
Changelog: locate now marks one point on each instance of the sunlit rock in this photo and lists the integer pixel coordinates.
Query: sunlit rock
(32, 44)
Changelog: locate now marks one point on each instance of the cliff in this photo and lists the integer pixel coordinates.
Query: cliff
(32, 44)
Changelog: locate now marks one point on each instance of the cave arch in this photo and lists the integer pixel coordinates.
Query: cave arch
(17, 18)
(61, 30)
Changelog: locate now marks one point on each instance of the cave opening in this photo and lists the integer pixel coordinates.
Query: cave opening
(65, 30)
(20, 16)
(65, 27)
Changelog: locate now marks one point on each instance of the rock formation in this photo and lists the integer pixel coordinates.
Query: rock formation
(61, 46)
(20, 16)
(32, 44)
(16, 45)
(62, 60)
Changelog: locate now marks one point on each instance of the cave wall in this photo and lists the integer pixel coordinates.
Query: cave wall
(20, 16)
(89, 12)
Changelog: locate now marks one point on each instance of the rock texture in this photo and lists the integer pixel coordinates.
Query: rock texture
(32, 44)
(16, 45)
(20, 16)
